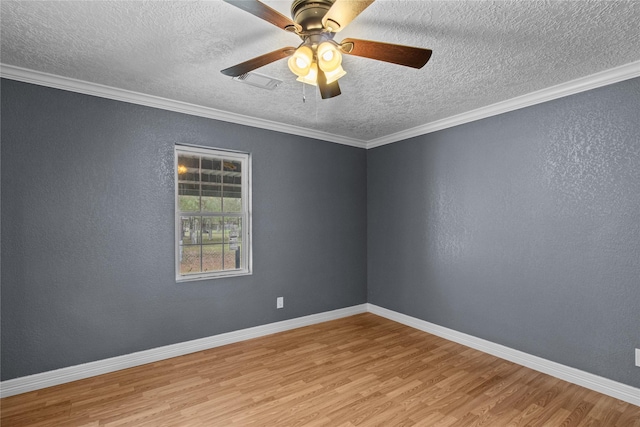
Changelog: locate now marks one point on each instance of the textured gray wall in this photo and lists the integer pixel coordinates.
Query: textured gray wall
(523, 229)
(88, 230)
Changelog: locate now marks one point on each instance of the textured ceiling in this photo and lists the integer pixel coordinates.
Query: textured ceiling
(484, 52)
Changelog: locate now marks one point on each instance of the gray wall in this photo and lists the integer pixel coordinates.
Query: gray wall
(88, 230)
(523, 229)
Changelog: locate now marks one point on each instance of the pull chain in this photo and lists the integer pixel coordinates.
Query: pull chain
(317, 103)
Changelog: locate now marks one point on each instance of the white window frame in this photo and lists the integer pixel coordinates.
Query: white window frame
(246, 266)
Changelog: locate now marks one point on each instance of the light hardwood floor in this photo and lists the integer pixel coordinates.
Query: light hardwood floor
(358, 371)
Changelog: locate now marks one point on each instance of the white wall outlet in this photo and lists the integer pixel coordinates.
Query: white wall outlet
(638, 357)
(280, 302)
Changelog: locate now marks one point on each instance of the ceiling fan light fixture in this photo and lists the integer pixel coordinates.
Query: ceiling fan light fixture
(318, 60)
(301, 61)
(329, 57)
(333, 76)
(312, 76)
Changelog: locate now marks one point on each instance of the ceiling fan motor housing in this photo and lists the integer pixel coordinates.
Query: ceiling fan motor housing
(309, 13)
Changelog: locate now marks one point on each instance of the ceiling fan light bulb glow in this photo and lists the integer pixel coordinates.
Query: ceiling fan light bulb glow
(329, 57)
(334, 75)
(301, 61)
(312, 77)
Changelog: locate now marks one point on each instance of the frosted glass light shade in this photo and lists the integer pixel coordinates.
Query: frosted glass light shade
(329, 57)
(312, 77)
(301, 61)
(334, 75)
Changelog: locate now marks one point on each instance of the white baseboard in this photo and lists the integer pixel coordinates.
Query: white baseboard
(594, 382)
(64, 375)
(86, 370)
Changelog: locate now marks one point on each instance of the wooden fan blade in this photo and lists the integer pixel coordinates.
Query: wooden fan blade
(258, 61)
(262, 11)
(342, 13)
(327, 90)
(399, 54)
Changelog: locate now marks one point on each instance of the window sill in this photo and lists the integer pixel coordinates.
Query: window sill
(217, 275)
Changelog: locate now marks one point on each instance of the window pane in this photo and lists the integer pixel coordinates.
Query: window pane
(232, 204)
(189, 183)
(211, 180)
(232, 184)
(212, 257)
(233, 243)
(190, 259)
(232, 166)
(231, 260)
(211, 198)
(233, 229)
(189, 203)
(211, 167)
(190, 230)
(211, 230)
(189, 169)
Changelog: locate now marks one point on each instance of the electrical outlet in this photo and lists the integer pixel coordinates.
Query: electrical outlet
(638, 357)
(280, 302)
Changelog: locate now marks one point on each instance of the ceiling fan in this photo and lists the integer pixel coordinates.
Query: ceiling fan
(318, 59)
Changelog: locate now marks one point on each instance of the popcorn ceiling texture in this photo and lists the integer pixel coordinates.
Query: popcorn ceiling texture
(484, 52)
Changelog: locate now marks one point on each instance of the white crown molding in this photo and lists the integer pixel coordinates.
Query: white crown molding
(604, 78)
(593, 382)
(72, 85)
(572, 87)
(86, 370)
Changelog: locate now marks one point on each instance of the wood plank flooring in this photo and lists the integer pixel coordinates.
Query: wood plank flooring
(363, 370)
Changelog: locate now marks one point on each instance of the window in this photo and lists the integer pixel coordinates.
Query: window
(213, 220)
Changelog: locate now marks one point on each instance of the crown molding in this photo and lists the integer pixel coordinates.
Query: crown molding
(73, 85)
(603, 78)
